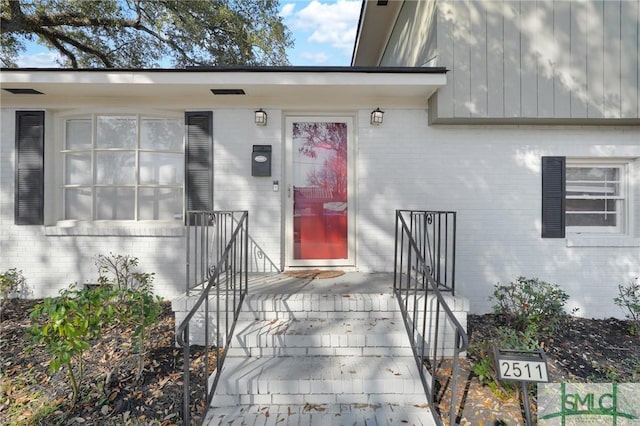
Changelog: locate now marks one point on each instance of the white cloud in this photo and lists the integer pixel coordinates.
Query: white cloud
(330, 23)
(287, 10)
(39, 60)
(315, 57)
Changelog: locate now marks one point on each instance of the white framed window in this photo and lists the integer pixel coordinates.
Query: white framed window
(122, 167)
(597, 197)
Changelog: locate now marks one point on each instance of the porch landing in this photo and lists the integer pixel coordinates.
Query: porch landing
(320, 352)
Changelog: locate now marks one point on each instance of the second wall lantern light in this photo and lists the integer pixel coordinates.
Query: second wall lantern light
(377, 116)
(261, 117)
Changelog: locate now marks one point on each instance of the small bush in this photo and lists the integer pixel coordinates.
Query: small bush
(66, 325)
(484, 365)
(629, 299)
(529, 308)
(529, 302)
(134, 291)
(140, 309)
(11, 282)
(117, 271)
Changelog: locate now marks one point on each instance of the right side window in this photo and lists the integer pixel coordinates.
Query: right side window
(596, 198)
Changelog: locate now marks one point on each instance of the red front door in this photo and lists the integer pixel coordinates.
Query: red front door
(320, 192)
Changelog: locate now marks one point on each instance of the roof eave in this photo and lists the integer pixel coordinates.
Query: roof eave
(375, 26)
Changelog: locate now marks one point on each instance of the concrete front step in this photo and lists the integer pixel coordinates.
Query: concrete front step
(314, 337)
(321, 415)
(319, 306)
(321, 380)
(320, 359)
(278, 378)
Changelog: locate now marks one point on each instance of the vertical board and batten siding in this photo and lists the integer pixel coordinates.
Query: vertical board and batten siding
(576, 77)
(461, 69)
(510, 64)
(561, 90)
(569, 60)
(479, 81)
(445, 41)
(595, 59)
(612, 57)
(528, 58)
(629, 68)
(411, 42)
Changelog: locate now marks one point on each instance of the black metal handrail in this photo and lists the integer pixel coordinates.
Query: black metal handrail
(424, 270)
(220, 257)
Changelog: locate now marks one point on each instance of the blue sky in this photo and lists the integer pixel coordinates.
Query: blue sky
(323, 30)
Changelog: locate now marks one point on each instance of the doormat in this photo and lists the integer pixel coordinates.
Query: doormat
(313, 274)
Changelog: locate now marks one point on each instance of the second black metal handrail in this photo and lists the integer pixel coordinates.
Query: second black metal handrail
(226, 281)
(425, 241)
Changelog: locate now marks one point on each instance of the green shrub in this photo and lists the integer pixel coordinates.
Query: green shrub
(629, 299)
(66, 324)
(140, 309)
(137, 305)
(529, 302)
(484, 366)
(529, 307)
(10, 282)
(117, 271)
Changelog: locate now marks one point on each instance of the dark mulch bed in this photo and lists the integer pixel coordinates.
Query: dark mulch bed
(583, 350)
(111, 393)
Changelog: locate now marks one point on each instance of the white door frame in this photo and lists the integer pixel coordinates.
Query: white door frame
(288, 192)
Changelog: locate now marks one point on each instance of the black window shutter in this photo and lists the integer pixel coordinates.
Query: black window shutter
(29, 180)
(553, 196)
(199, 160)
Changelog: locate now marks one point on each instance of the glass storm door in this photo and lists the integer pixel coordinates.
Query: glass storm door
(319, 229)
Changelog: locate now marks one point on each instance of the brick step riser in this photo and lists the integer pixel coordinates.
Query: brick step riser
(321, 341)
(301, 399)
(303, 315)
(324, 351)
(369, 386)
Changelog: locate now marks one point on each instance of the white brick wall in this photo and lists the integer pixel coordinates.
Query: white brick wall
(490, 175)
(234, 188)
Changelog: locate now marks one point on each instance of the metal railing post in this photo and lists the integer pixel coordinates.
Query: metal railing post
(437, 276)
(212, 234)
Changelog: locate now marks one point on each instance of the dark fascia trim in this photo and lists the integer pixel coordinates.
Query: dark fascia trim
(278, 69)
(355, 44)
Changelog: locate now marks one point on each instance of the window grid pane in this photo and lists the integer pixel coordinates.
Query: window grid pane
(78, 134)
(105, 183)
(116, 132)
(115, 203)
(594, 197)
(78, 203)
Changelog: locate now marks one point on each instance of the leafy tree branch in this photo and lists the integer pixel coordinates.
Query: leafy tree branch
(144, 33)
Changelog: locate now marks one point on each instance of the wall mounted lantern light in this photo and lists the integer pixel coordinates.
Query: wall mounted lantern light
(377, 117)
(261, 117)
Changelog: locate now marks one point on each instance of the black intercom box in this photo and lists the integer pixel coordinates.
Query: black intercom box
(261, 160)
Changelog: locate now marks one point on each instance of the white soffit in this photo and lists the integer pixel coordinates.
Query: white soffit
(193, 88)
(374, 30)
